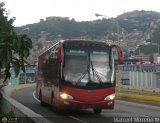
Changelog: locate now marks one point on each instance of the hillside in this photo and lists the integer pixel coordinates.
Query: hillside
(132, 29)
(145, 21)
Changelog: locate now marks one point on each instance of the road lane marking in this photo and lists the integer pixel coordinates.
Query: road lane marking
(75, 118)
(35, 96)
(144, 116)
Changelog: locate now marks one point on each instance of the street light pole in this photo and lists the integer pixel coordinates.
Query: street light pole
(98, 15)
(117, 24)
(117, 30)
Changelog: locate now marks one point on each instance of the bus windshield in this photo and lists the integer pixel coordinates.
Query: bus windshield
(87, 64)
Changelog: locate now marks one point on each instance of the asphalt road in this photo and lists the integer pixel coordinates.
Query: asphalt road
(124, 111)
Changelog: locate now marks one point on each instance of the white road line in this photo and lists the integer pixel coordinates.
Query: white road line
(35, 96)
(144, 116)
(75, 118)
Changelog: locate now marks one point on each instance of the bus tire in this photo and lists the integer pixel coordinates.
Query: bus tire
(40, 99)
(97, 110)
(56, 110)
(52, 97)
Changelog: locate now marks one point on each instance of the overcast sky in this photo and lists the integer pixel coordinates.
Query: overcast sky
(31, 11)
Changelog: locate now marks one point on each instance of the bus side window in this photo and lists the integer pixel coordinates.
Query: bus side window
(53, 64)
(115, 57)
(53, 54)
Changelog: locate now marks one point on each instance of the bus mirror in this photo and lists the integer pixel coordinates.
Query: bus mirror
(119, 53)
(60, 52)
(120, 57)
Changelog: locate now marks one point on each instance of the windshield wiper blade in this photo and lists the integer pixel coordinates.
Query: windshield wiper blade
(85, 72)
(92, 68)
(81, 77)
(95, 72)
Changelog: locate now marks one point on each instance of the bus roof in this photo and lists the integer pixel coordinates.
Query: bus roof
(84, 40)
(75, 39)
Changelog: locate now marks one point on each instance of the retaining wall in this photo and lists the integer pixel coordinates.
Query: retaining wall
(22, 113)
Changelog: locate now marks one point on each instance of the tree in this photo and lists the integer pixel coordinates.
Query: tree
(5, 24)
(14, 48)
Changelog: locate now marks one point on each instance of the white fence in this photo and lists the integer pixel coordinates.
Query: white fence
(142, 79)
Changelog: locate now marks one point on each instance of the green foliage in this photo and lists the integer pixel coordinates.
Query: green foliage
(113, 37)
(9, 117)
(40, 46)
(156, 35)
(14, 48)
(148, 49)
(5, 25)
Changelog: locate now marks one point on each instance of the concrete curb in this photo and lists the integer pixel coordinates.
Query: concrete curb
(8, 90)
(21, 112)
(154, 100)
(25, 86)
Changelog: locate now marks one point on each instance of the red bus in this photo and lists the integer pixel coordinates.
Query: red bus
(78, 74)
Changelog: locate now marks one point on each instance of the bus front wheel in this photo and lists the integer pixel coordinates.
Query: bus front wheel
(40, 99)
(97, 110)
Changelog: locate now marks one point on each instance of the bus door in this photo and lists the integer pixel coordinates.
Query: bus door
(47, 70)
(53, 74)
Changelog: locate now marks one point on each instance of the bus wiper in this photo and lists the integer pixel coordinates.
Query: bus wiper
(84, 73)
(95, 73)
(81, 77)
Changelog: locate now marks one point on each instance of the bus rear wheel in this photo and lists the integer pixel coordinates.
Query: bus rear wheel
(97, 110)
(40, 99)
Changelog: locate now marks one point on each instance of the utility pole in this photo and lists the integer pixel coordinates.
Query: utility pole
(158, 46)
(117, 30)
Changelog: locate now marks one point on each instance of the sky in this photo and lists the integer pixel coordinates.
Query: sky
(31, 11)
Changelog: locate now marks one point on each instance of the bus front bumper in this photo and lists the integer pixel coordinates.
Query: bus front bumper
(73, 104)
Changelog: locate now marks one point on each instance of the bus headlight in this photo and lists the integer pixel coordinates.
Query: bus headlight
(110, 97)
(65, 96)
